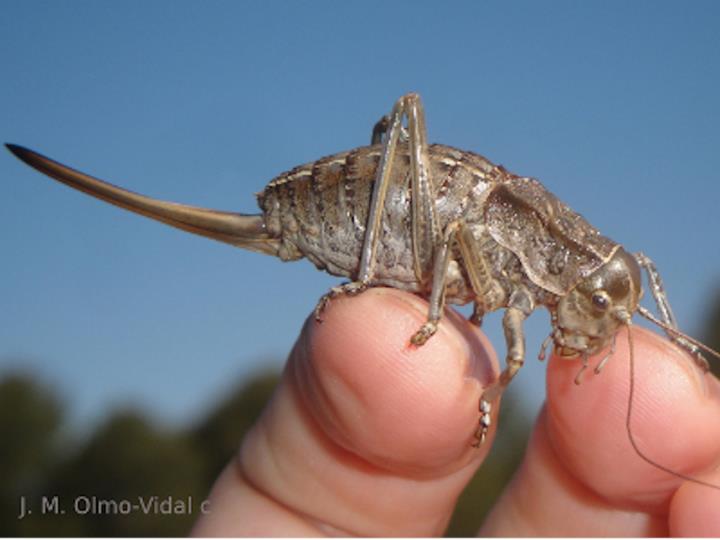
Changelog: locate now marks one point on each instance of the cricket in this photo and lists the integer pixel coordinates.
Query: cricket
(445, 224)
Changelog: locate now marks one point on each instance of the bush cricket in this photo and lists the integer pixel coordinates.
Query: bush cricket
(442, 223)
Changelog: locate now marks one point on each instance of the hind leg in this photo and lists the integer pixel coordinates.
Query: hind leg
(425, 234)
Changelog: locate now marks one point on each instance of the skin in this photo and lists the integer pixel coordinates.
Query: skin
(372, 437)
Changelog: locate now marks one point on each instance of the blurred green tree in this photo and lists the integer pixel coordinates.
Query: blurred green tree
(30, 419)
(127, 458)
(217, 437)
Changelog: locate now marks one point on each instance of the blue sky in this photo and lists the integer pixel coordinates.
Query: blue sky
(613, 105)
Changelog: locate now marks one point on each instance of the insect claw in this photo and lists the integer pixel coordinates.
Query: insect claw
(484, 423)
(426, 331)
(477, 315)
(320, 307)
(485, 406)
(351, 288)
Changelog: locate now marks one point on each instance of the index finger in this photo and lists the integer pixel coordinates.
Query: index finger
(582, 476)
(674, 421)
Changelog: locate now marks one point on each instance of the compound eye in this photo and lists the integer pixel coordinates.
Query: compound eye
(600, 299)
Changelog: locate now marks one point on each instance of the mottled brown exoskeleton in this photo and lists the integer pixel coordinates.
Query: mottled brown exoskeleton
(443, 223)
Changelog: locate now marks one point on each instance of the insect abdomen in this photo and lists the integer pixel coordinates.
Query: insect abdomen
(319, 210)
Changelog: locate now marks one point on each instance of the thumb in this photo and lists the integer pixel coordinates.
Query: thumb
(366, 434)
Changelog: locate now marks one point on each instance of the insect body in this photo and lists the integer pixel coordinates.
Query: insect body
(440, 222)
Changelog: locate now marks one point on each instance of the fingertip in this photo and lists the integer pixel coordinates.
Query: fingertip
(674, 420)
(392, 403)
(366, 434)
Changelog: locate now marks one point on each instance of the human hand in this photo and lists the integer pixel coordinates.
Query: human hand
(367, 435)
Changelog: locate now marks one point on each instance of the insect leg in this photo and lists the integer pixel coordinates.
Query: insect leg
(519, 308)
(439, 282)
(488, 292)
(477, 315)
(390, 131)
(351, 289)
(425, 229)
(656, 289)
(379, 130)
(661, 300)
